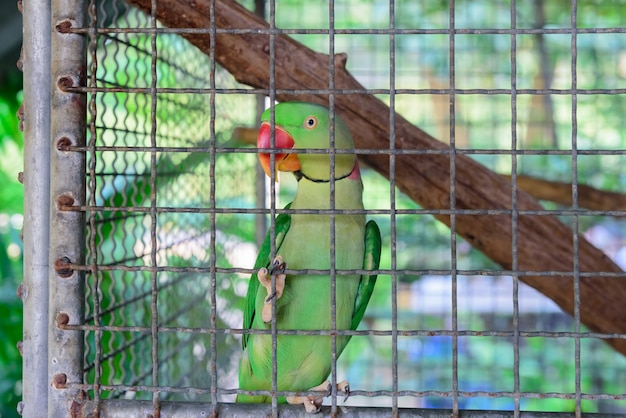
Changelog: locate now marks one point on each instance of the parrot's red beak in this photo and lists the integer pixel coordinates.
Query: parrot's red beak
(283, 162)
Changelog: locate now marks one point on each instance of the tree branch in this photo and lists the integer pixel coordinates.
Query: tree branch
(561, 193)
(544, 244)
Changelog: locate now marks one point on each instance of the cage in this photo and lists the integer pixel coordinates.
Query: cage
(491, 139)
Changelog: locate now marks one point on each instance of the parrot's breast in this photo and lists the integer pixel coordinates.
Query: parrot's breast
(304, 360)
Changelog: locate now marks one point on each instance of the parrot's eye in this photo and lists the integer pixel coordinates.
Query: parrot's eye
(310, 122)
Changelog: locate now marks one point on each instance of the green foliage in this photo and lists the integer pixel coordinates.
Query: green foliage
(11, 207)
(11, 147)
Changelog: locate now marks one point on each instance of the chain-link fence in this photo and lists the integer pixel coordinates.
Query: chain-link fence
(155, 205)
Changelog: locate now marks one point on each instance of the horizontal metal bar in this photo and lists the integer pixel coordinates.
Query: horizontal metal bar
(339, 272)
(369, 394)
(444, 212)
(339, 92)
(341, 31)
(362, 333)
(357, 151)
(398, 272)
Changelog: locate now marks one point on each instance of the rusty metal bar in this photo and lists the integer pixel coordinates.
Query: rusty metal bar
(34, 290)
(514, 216)
(357, 31)
(363, 91)
(575, 220)
(67, 188)
(213, 218)
(393, 212)
(453, 208)
(154, 313)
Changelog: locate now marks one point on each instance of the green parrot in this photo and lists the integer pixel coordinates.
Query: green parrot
(303, 301)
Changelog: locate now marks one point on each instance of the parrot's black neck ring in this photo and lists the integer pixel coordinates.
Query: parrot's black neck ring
(299, 175)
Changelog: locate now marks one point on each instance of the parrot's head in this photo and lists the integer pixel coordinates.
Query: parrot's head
(304, 126)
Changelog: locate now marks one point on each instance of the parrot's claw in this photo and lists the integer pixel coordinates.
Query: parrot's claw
(312, 403)
(265, 278)
(278, 265)
(344, 387)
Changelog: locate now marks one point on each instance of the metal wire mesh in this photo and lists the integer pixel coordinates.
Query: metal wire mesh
(526, 88)
(157, 243)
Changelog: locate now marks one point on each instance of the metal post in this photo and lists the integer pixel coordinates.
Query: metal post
(34, 290)
(67, 189)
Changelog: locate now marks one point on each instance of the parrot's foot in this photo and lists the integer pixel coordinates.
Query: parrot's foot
(265, 278)
(313, 403)
(344, 387)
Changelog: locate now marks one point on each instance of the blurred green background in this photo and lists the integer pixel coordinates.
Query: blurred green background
(11, 209)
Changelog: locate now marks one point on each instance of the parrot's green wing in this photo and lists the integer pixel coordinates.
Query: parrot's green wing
(371, 261)
(282, 223)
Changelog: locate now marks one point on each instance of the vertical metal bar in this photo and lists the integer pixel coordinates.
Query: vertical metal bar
(332, 217)
(212, 203)
(575, 227)
(514, 213)
(67, 188)
(392, 209)
(36, 56)
(546, 72)
(453, 263)
(154, 242)
(272, 91)
(92, 186)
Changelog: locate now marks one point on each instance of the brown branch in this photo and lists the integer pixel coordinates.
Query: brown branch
(245, 136)
(561, 193)
(543, 242)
